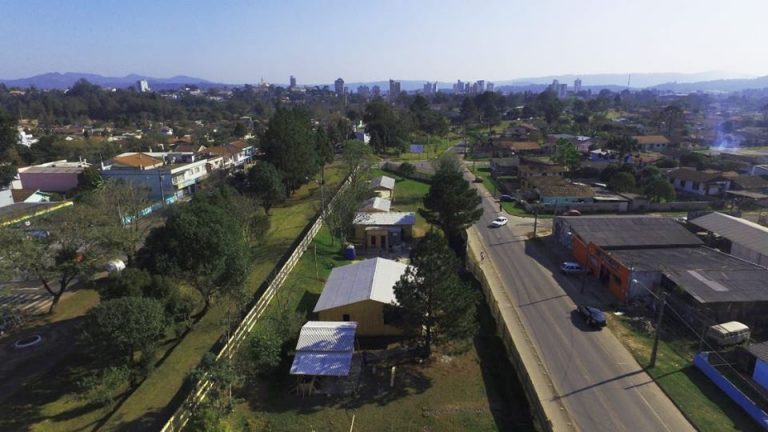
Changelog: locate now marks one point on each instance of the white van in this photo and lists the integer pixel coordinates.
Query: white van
(729, 333)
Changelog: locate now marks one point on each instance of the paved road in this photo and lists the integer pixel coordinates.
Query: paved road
(600, 384)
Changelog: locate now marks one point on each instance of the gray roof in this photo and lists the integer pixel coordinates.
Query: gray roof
(737, 230)
(697, 258)
(390, 218)
(371, 279)
(715, 286)
(324, 348)
(630, 231)
(383, 182)
(376, 203)
(760, 350)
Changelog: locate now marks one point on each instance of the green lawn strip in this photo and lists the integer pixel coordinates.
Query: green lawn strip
(436, 147)
(705, 405)
(49, 403)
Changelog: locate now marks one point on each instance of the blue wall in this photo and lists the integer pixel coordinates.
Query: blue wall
(761, 373)
(702, 362)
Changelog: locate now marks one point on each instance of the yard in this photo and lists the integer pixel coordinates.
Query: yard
(471, 391)
(698, 398)
(50, 402)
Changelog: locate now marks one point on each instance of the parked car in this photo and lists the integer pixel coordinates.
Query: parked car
(569, 267)
(729, 333)
(499, 222)
(115, 265)
(507, 198)
(592, 315)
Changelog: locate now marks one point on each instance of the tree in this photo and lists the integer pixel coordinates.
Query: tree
(201, 244)
(451, 203)
(239, 131)
(567, 154)
(265, 351)
(221, 375)
(265, 183)
(660, 190)
(75, 247)
(469, 112)
(8, 135)
(288, 144)
(99, 387)
(624, 144)
(89, 179)
(341, 213)
(125, 330)
(622, 182)
(549, 105)
(388, 130)
(7, 174)
(430, 295)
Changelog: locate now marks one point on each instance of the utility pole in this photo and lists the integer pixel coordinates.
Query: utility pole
(535, 221)
(662, 303)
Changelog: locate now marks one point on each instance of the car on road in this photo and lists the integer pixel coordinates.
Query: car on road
(592, 315)
(569, 267)
(499, 222)
(507, 198)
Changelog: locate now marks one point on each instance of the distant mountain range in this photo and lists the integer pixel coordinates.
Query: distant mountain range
(705, 81)
(57, 80)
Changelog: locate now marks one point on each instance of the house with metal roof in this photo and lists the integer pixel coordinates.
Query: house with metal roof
(324, 349)
(693, 181)
(376, 205)
(744, 239)
(380, 230)
(58, 176)
(647, 143)
(384, 187)
(359, 292)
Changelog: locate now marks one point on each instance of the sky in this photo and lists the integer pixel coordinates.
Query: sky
(242, 41)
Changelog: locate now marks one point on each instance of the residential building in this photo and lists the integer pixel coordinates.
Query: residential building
(530, 168)
(292, 82)
(338, 86)
(646, 143)
(508, 166)
(162, 181)
(375, 205)
(582, 143)
(515, 147)
(559, 191)
(489, 87)
(705, 183)
(739, 237)
(394, 90)
(376, 91)
(25, 139)
(364, 91)
(58, 176)
(577, 85)
(142, 86)
(750, 183)
(359, 293)
(383, 230)
(384, 187)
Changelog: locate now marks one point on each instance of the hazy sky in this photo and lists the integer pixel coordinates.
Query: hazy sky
(317, 41)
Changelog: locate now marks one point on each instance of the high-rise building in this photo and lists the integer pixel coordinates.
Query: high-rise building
(429, 88)
(481, 86)
(376, 91)
(562, 90)
(338, 86)
(142, 86)
(292, 84)
(577, 85)
(458, 88)
(394, 89)
(364, 91)
(489, 87)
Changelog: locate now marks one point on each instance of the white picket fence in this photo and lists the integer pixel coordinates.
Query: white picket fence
(182, 415)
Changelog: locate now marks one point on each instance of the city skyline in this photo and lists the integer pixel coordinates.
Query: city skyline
(243, 42)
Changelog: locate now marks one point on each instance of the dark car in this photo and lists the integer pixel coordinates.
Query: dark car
(507, 198)
(592, 315)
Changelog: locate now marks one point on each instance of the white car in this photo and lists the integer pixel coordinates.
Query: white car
(499, 222)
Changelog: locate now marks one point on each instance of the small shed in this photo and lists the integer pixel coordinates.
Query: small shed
(384, 187)
(324, 349)
(379, 230)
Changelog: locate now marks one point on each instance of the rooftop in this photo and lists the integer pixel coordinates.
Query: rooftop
(324, 348)
(383, 182)
(371, 279)
(651, 139)
(622, 232)
(760, 350)
(390, 218)
(137, 160)
(737, 230)
(377, 204)
(691, 174)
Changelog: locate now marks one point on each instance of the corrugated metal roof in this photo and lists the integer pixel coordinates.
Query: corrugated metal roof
(389, 218)
(716, 286)
(760, 350)
(383, 182)
(376, 203)
(737, 230)
(630, 231)
(371, 279)
(324, 348)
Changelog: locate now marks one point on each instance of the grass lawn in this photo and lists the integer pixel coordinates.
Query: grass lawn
(435, 148)
(472, 391)
(50, 402)
(705, 405)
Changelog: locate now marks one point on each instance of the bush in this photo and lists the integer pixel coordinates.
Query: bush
(265, 350)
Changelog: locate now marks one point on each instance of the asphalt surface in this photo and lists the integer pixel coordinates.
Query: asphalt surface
(598, 381)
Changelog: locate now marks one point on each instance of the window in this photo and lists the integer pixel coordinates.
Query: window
(345, 317)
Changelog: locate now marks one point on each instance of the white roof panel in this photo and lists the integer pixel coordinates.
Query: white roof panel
(371, 279)
(376, 203)
(324, 348)
(390, 218)
(383, 182)
(326, 364)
